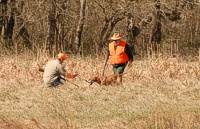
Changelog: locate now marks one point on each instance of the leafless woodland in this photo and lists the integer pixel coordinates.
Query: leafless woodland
(85, 26)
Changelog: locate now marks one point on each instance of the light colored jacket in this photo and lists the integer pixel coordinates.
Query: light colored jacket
(53, 70)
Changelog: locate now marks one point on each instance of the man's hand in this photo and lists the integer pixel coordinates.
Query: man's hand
(71, 75)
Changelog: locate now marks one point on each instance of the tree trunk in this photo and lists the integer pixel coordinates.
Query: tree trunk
(132, 33)
(60, 38)
(7, 23)
(109, 25)
(23, 32)
(80, 27)
(102, 34)
(51, 27)
(112, 24)
(156, 29)
(3, 14)
(8, 31)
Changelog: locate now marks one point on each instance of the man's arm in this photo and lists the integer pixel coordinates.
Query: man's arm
(61, 70)
(129, 53)
(64, 73)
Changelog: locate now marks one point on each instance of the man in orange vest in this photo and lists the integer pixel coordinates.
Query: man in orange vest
(119, 54)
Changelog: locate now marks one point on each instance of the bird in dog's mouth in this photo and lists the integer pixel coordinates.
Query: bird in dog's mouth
(90, 82)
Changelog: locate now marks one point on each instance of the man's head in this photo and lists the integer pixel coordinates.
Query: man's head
(116, 38)
(62, 57)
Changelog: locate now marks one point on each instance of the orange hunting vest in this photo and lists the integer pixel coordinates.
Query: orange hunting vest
(118, 56)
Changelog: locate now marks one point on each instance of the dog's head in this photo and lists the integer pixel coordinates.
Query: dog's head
(93, 79)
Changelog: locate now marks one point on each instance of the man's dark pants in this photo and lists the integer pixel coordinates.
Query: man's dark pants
(119, 68)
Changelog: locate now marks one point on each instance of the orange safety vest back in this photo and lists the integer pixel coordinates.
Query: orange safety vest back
(118, 56)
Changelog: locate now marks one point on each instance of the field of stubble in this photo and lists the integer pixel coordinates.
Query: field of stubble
(157, 93)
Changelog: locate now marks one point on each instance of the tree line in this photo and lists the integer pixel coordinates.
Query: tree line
(85, 26)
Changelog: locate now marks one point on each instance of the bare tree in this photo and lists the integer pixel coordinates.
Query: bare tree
(11, 16)
(147, 21)
(51, 26)
(113, 13)
(23, 32)
(7, 22)
(155, 36)
(80, 26)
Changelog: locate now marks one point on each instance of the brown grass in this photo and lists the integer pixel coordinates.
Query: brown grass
(158, 93)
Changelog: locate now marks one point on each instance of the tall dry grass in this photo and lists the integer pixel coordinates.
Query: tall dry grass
(157, 93)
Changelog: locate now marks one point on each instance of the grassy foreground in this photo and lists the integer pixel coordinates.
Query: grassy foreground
(160, 93)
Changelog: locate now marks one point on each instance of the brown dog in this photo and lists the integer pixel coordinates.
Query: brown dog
(114, 79)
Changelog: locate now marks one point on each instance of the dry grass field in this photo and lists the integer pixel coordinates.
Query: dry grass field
(157, 93)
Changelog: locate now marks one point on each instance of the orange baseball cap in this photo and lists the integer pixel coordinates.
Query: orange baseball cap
(62, 56)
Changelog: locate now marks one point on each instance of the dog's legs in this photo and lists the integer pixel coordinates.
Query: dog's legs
(119, 80)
